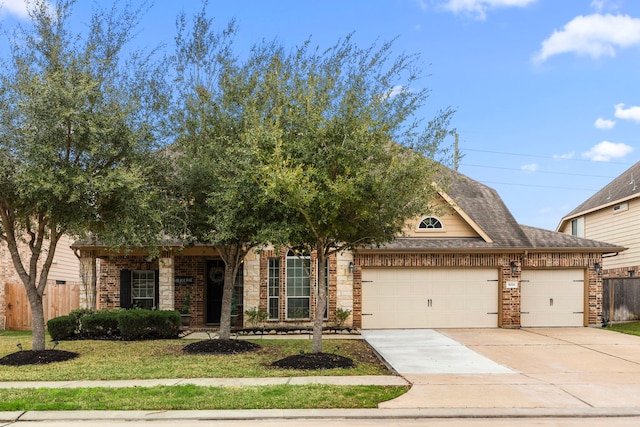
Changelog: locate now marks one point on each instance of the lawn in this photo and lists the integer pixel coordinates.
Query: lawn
(112, 360)
(186, 397)
(115, 360)
(631, 328)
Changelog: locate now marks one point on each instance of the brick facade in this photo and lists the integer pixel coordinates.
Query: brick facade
(345, 283)
(510, 298)
(192, 267)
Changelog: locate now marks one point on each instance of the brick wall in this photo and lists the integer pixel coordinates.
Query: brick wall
(509, 298)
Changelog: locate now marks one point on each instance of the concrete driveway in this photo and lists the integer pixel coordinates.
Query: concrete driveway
(514, 368)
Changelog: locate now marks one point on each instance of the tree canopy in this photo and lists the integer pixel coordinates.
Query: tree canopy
(78, 123)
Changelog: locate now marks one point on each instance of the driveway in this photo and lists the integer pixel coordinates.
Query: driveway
(513, 368)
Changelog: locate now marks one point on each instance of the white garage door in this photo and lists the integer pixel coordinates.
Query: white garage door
(429, 298)
(552, 298)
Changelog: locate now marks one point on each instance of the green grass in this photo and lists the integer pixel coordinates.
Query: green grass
(631, 328)
(111, 360)
(115, 360)
(197, 398)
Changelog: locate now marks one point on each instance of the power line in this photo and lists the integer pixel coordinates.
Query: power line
(534, 156)
(553, 187)
(538, 171)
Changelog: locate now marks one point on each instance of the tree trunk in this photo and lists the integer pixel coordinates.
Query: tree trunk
(321, 302)
(232, 255)
(37, 320)
(227, 298)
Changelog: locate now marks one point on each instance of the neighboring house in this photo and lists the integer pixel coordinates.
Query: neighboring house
(64, 273)
(612, 214)
(469, 265)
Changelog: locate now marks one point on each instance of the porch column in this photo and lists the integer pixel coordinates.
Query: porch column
(344, 284)
(166, 283)
(88, 280)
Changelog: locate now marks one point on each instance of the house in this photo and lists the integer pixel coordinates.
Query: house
(469, 265)
(612, 214)
(63, 286)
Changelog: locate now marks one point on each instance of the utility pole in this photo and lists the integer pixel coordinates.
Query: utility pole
(456, 154)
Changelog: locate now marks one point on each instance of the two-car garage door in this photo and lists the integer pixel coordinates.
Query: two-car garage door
(466, 298)
(429, 298)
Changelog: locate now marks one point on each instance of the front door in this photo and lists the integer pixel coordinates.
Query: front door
(215, 286)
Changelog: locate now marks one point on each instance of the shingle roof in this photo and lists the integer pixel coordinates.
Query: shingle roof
(546, 239)
(486, 209)
(623, 187)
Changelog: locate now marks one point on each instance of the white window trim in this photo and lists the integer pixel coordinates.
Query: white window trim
(286, 293)
(152, 298)
(430, 230)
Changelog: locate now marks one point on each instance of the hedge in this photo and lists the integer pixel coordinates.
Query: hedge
(134, 324)
(62, 328)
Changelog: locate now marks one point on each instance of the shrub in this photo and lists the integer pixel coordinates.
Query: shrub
(255, 316)
(342, 314)
(78, 314)
(101, 324)
(142, 324)
(62, 328)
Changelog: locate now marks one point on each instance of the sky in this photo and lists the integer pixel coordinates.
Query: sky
(547, 111)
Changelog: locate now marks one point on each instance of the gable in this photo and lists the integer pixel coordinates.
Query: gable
(453, 223)
(625, 187)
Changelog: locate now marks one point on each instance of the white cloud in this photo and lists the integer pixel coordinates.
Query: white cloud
(598, 5)
(606, 151)
(478, 8)
(18, 8)
(631, 113)
(565, 156)
(531, 167)
(604, 123)
(592, 35)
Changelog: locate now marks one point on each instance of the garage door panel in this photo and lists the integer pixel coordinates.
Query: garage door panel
(552, 298)
(429, 298)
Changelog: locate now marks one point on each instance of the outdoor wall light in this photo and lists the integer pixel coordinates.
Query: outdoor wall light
(351, 267)
(597, 267)
(514, 267)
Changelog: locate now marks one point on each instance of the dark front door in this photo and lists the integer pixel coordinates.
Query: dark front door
(215, 286)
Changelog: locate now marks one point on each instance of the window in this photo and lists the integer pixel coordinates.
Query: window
(620, 208)
(577, 227)
(273, 292)
(430, 222)
(298, 286)
(143, 288)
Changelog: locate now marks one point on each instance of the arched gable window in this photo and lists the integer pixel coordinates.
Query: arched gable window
(430, 222)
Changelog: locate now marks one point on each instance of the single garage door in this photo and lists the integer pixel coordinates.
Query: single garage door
(552, 298)
(429, 298)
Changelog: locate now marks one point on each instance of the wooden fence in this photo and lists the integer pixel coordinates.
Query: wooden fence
(621, 299)
(59, 300)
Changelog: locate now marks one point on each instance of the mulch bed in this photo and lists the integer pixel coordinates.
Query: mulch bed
(220, 347)
(310, 361)
(40, 357)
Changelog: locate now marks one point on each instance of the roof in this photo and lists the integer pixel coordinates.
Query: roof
(624, 187)
(483, 207)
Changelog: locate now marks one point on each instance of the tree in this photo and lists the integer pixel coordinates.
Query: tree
(77, 128)
(352, 162)
(216, 161)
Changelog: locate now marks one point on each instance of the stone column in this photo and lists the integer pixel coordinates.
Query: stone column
(88, 295)
(167, 283)
(344, 288)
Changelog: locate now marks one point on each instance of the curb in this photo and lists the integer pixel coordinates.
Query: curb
(262, 414)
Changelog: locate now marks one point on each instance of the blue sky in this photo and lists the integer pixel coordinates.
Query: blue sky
(547, 108)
